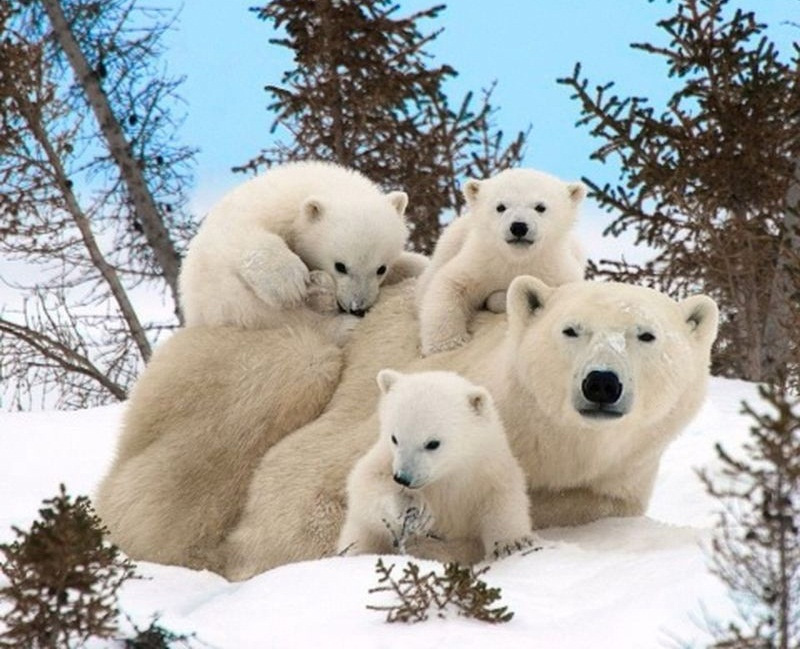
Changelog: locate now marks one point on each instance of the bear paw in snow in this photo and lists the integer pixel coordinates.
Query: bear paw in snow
(505, 548)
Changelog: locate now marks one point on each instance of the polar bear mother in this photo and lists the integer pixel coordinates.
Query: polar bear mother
(592, 381)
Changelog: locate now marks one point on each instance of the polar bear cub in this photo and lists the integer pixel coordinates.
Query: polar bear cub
(256, 252)
(441, 467)
(518, 222)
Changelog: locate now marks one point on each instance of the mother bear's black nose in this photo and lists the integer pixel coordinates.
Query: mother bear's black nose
(602, 387)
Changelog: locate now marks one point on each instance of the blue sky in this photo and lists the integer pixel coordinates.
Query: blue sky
(223, 50)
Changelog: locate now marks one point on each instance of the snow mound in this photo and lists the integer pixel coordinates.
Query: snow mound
(636, 582)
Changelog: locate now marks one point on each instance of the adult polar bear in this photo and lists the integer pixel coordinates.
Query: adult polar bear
(606, 338)
(592, 381)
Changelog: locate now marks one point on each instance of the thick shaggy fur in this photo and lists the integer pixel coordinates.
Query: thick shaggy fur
(578, 468)
(251, 260)
(518, 222)
(192, 438)
(441, 438)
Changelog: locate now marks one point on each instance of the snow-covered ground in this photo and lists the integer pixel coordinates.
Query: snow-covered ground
(617, 583)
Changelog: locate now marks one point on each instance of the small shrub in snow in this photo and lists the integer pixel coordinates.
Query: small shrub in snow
(458, 588)
(62, 578)
(155, 637)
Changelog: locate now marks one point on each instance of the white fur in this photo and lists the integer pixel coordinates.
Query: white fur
(469, 487)
(477, 255)
(252, 257)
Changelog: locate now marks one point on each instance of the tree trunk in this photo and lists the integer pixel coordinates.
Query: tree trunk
(98, 260)
(783, 312)
(147, 213)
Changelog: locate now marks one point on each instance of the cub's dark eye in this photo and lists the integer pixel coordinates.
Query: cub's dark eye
(646, 337)
(432, 445)
(540, 207)
(501, 208)
(570, 332)
(340, 268)
(381, 270)
(394, 440)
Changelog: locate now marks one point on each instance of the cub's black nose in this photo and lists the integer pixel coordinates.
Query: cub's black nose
(358, 312)
(519, 229)
(602, 387)
(399, 478)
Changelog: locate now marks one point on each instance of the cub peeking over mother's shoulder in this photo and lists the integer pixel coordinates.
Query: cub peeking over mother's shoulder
(256, 252)
(518, 222)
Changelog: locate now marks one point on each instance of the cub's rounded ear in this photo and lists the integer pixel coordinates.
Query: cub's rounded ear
(526, 298)
(702, 315)
(399, 201)
(577, 191)
(386, 379)
(471, 190)
(312, 209)
(478, 399)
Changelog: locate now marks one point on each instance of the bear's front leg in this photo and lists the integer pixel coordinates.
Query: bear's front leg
(274, 273)
(444, 312)
(506, 527)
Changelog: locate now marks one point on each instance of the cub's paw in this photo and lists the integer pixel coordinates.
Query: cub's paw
(506, 547)
(279, 282)
(496, 302)
(321, 293)
(438, 346)
(417, 521)
(413, 521)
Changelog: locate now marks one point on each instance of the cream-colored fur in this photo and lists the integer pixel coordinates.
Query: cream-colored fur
(441, 468)
(271, 247)
(213, 400)
(210, 402)
(518, 222)
(578, 468)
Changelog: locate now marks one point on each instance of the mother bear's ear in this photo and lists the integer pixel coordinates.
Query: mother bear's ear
(526, 297)
(702, 315)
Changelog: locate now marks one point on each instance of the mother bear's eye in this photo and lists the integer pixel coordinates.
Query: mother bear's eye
(540, 207)
(381, 270)
(646, 337)
(340, 268)
(394, 440)
(501, 208)
(432, 445)
(570, 332)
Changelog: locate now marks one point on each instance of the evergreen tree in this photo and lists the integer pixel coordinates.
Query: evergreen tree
(363, 93)
(62, 579)
(712, 179)
(756, 548)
